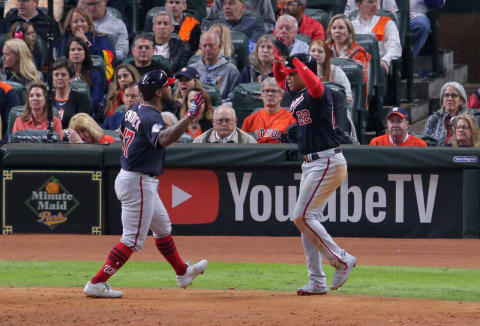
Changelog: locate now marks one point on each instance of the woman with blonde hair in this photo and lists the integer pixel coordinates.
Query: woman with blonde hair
(34, 114)
(466, 131)
(203, 121)
(18, 63)
(260, 66)
(83, 129)
(124, 74)
(25, 31)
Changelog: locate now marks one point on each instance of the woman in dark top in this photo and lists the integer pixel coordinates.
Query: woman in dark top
(67, 101)
(260, 65)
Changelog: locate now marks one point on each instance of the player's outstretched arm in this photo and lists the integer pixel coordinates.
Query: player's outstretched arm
(311, 81)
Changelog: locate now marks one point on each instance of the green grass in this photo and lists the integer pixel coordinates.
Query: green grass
(388, 281)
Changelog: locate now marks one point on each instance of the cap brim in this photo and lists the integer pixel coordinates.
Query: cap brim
(396, 113)
(169, 82)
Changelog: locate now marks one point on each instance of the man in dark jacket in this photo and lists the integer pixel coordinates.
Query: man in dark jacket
(173, 49)
(27, 11)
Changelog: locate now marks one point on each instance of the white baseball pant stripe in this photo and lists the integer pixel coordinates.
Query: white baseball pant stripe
(320, 178)
(142, 209)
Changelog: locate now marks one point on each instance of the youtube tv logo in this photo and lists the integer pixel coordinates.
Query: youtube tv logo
(191, 196)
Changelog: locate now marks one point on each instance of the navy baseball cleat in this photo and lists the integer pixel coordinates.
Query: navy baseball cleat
(192, 271)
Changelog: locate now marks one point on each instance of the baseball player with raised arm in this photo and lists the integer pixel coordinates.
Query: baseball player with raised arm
(144, 138)
(323, 170)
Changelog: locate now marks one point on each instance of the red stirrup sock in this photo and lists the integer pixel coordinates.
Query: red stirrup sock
(167, 248)
(117, 257)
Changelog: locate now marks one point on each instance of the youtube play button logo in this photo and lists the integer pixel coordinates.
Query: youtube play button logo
(190, 196)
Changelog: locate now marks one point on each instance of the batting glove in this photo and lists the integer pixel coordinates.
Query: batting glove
(195, 105)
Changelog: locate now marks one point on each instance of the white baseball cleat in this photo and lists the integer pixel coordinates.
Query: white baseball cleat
(101, 290)
(342, 271)
(312, 289)
(192, 271)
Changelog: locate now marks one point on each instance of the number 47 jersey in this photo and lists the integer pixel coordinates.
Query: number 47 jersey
(140, 149)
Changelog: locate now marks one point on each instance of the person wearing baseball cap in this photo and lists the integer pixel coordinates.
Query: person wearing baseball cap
(397, 131)
(187, 78)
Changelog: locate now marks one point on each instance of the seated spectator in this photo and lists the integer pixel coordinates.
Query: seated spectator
(83, 129)
(389, 5)
(174, 50)
(143, 50)
(34, 114)
(170, 120)
(67, 101)
(225, 39)
(186, 78)
(328, 72)
(106, 22)
(8, 99)
(26, 32)
(27, 11)
(124, 75)
(466, 132)
(260, 65)
(79, 24)
(131, 96)
(235, 19)
(271, 121)
(79, 54)
(187, 27)
(225, 129)
(474, 100)
(57, 7)
(263, 7)
(214, 69)
(204, 120)
(306, 25)
(18, 63)
(440, 124)
(397, 131)
(286, 31)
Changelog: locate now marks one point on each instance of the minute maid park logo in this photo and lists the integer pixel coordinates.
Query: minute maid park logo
(52, 203)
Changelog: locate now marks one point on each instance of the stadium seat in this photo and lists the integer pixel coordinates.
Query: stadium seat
(14, 113)
(246, 98)
(428, 139)
(370, 43)
(20, 89)
(214, 93)
(304, 38)
(149, 18)
(322, 16)
(333, 7)
(240, 49)
(80, 86)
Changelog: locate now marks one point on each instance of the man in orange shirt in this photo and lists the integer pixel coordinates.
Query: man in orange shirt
(271, 121)
(397, 126)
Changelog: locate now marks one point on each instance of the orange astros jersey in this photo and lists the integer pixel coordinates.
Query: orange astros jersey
(385, 140)
(268, 127)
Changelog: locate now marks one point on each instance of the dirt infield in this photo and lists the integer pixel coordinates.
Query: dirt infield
(67, 306)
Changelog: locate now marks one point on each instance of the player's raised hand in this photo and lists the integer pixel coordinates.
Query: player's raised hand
(280, 51)
(195, 106)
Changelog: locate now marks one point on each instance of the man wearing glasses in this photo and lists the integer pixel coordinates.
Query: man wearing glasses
(107, 23)
(306, 25)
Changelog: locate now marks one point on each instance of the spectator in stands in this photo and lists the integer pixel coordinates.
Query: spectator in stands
(225, 129)
(79, 24)
(420, 24)
(326, 71)
(474, 100)
(204, 120)
(389, 5)
(26, 32)
(79, 54)
(106, 22)
(8, 99)
(306, 25)
(186, 27)
(383, 28)
(263, 7)
(131, 96)
(34, 114)
(466, 132)
(286, 32)
(397, 131)
(440, 124)
(83, 129)
(67, 101)
(124, 75)
(174, 50)
(214, 69)
(57, 7)
(143, 50)
(27, 11)
(186, 78)
(18, 65)
(235, 19)
(260, 65)
(341, 41)
(225, 39)
(170, 120)
(271, 121)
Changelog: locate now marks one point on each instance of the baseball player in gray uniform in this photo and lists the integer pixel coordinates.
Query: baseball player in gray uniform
(144, 138)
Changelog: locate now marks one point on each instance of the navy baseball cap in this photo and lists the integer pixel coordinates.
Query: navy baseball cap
(401, 112)
(187, 72)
